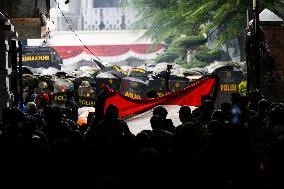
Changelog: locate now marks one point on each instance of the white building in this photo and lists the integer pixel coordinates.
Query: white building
(91, 15)
(107, 18)
(102, 31)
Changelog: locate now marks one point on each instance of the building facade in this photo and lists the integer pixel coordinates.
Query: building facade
(92, 15)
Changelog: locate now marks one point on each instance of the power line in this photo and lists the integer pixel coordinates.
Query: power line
(71, 28)
(211, 33)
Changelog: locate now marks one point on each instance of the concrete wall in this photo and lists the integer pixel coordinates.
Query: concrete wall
(25, 16)
(23, 8)
(27, 28)
(6, 33)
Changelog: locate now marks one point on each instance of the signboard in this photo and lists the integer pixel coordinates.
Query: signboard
(231, 80)
(59, 99)
(28, 58)
(85, 101)
(37, 57)
(132, 95)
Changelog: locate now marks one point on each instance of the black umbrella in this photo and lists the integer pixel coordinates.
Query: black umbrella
(117, 71)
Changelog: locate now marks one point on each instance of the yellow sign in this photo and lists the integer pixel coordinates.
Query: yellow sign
(35, 58)
(228, 87)
(84, 102)
(138, 70)
(120, 70)
(59, 98)
(132, 95)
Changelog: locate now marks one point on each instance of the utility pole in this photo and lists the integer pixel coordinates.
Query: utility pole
(256, 63)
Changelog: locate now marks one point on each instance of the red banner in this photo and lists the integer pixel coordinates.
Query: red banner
(66, 52)
(190, 96)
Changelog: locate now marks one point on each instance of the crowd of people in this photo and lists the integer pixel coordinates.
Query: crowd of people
(239, 145)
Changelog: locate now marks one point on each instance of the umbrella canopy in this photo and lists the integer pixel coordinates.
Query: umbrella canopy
(138, 73)
(30, 70)
(108, 79)
(106, 75)
(117, 71)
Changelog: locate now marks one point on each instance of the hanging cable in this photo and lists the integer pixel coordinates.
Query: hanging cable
(71, 28)
(211, 33)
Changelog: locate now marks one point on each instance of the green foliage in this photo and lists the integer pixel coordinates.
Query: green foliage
(190, 42)
(175, 18)
(168, 56)
(205, 54)
(181, 23)
(194, 64)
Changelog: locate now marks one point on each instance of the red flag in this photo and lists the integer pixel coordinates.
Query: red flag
(190, 96)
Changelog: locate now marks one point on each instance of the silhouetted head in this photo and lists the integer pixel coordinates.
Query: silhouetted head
(31, 107)
(111, 112)
(218, 115)
(161, 111)
(156, 122)
(263, 105)
(185, 114)
(143, 139)
(235, 97)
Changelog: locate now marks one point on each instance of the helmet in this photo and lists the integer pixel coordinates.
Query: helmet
(41, 100)
(42, 85)
(85, 83)
(31, 106)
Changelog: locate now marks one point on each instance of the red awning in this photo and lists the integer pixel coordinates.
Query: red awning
(67, 52)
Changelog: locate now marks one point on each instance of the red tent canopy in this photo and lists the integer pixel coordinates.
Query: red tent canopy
(67, 52)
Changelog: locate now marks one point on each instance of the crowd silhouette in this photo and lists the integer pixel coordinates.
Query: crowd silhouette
(239, 145)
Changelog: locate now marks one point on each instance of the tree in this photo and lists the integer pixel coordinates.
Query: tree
(178, 18)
